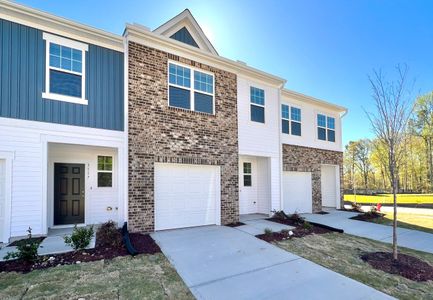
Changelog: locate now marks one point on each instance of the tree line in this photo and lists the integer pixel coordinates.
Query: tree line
(366, 161)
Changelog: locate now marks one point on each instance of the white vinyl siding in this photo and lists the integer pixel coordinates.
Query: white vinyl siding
(2, 200)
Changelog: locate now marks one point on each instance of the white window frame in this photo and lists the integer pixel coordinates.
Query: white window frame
(259, 105)
(290, 118)
(326, 127)
(50, 38)
(247, 174)
(191, 89)
(105, 171)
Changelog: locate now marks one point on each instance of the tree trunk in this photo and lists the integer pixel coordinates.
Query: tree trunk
(430, 164)
(394, 193)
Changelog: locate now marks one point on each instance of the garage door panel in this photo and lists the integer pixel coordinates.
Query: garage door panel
(185, 195)
(297, 192)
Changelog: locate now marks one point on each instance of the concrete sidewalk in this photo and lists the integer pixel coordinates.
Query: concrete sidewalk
(218, 262)
(408, 238)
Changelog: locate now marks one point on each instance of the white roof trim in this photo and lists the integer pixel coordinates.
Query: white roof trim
(142, 36)
(186, 19)
(304, 98)
(47, 22)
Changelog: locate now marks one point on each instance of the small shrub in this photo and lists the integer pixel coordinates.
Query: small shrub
(307, 225)
(26, 250)
(108, 235)
(296, 218)
(285, 232)
(80, 237)
(356, 207)
(268, 231)
(279, 215)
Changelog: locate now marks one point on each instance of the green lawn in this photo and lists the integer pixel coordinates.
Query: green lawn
(341, 253)
(387, 198)
(140, 277)
(421, 222)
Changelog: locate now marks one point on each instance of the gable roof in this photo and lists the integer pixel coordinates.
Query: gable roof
(186, 20)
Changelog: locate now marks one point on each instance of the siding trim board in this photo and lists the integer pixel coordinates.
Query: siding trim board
(22, 65)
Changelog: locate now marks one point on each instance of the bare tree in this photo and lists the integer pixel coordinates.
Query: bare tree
(393, 109)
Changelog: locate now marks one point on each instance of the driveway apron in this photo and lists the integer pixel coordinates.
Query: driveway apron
(218, 262)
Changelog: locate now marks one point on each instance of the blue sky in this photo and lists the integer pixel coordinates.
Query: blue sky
(325, 49)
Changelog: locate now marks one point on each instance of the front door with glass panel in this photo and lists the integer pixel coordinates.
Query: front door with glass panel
(248, 184)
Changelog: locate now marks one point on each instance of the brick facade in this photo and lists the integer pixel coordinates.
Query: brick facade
(159, 133)
(305, 159)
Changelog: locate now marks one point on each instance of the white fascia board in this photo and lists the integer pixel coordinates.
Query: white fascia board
(137, 34)
(47, 22)
(288, 94)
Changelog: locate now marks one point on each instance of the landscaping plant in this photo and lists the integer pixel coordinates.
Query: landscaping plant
(389, 123)
(26, 250)
(80, 237)
(268, 231)
(108, 235)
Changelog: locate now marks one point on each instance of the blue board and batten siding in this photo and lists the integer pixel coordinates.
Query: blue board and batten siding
(22, 81)
(184, 36)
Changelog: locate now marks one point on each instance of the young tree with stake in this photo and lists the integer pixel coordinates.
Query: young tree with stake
(393, 107)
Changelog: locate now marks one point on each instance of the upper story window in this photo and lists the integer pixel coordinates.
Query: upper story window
(291, 119)
(65, 74)
(190, 89)
(257, 99)
(325, 128)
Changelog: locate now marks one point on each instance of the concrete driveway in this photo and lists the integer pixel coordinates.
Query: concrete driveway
(218, 262)
(408, 238)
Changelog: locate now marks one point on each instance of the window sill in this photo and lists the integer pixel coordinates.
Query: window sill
(64, 98)
(191, 111)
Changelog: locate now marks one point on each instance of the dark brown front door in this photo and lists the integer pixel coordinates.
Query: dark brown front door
(68, 193)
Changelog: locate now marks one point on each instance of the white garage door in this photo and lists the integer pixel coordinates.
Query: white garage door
(2, 199)
(329, 186)
(186, 195)
(297, 193)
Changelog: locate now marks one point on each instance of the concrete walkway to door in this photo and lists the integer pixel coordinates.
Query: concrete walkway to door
(408, 238)
(218, 262)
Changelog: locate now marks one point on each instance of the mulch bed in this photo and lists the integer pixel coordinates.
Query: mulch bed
(143, 243)
(367, 216)
(298, 232)
(407, 266)
(25, 241)
(289, 222)
(235, 224)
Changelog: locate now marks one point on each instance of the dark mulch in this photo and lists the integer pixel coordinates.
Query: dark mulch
(407, 266)
(298, 232)
(143, 243)
(367, 216)
(27, 241)
(289, 222)
(235, 224)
